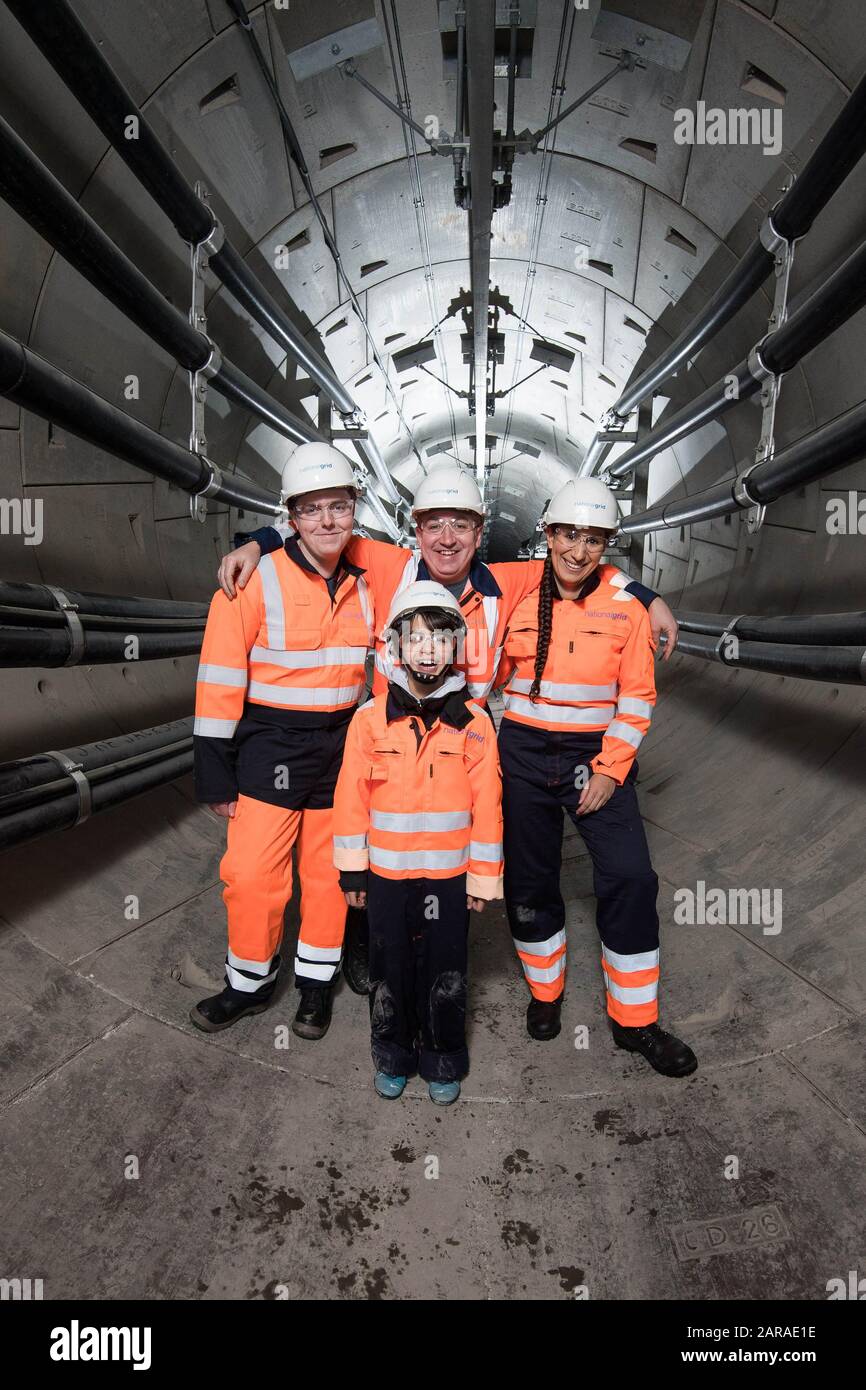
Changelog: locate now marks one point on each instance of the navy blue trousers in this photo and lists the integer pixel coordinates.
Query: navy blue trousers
(419, 931)
(540, 771)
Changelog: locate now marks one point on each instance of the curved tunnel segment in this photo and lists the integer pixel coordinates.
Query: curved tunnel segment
(535, 242)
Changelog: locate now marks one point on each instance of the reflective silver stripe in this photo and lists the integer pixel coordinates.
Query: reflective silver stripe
(489, 852)
(318, 952)
(214, 728)
(258, 967)
(642, 708)
(430, 821)
(546, 976)
(641, 960)
(631, 994)
(419, 858)
(541, 948)
(239, 981)
(366, 605)
(221, 675)
(305, 968)
(627, 732)
(551, 690)
(275, 617)
(350, 842)
(490, 605)
(304, 695)
(558, 714)
(617, 580)
(320, 656)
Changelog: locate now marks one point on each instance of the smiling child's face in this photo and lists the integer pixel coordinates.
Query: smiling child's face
(426, 653)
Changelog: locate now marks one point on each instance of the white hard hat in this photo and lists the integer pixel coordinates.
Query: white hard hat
(448, 487)
(316, 465)
(424, 593)
(583, 502)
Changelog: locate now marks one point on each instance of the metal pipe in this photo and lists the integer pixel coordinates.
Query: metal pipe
(824, 451)
(44, 390)
(838, 665)
(76, 58)
(814, 629)
(830, 163)
(480, 52)
(832, 304)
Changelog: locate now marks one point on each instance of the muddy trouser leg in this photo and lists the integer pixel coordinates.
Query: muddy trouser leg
(625, 888)
(441, 925)
(393, 1023)
(532, 842)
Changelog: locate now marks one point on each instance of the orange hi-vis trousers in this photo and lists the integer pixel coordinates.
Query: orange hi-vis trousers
(257, 872)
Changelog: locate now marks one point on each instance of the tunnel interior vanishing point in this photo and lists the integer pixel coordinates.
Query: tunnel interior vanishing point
(489, 294)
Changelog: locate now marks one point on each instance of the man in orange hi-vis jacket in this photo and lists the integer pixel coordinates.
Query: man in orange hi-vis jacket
(282, 671)
(418, 840)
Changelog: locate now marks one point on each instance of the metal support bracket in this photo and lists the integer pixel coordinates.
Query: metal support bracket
(782, 251)
(200, 254)
(73, 623)
(198, 500)
(76, 772)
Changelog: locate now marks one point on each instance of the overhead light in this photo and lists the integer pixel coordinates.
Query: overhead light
(528, 449)
(414, 356)
(551, 356)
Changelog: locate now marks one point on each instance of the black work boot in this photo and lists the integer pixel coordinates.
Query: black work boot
(314, 1013)
(542, 1019)
(222, 1010)
(669, 1055)
(356, 951)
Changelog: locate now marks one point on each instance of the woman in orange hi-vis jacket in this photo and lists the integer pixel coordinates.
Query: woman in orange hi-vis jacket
(578, 701)
(418, 841)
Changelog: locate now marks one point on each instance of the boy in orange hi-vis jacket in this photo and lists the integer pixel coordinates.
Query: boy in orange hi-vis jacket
(418, 842)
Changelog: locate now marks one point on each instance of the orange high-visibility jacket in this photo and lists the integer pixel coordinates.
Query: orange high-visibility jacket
(599, 673)
(417, 803)
(489, 598)
(283, 644)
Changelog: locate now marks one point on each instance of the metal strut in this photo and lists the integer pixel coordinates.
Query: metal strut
(200, 254)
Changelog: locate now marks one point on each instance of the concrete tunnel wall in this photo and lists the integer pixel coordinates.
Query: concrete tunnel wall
(744, 777)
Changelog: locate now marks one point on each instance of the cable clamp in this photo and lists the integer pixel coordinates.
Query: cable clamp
(73, 624)
(724, 637)
(76, 772)
(198, 500)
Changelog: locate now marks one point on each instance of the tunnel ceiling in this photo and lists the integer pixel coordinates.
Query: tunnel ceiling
(651, 213)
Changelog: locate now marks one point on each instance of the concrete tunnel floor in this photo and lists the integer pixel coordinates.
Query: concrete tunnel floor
(268, 1171)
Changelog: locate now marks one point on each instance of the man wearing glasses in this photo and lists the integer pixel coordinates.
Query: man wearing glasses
(282, 671)
(449, 517)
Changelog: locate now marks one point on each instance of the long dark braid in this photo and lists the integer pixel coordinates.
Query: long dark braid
(545, 626)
